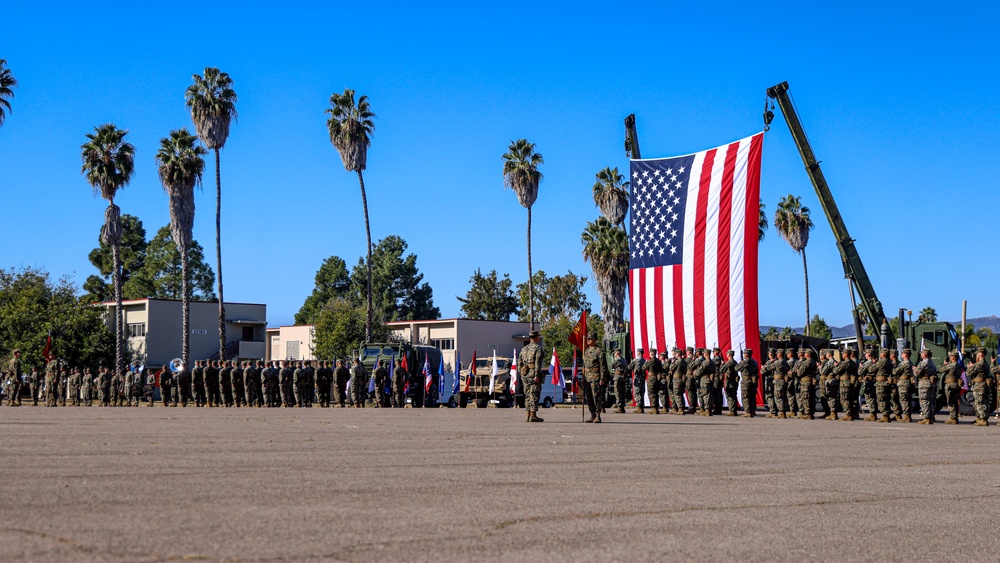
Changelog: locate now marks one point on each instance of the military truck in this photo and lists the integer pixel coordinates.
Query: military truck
(370, 352)
(479, 385)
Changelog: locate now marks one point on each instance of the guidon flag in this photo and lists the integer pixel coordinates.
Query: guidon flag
(693, 248)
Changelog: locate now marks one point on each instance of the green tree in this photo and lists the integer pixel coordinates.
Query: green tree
(927, 315)
(489, 297)
(520, 173)
(212, 102)
(180, 163)
(32, 306)
(556, 296)
(332, 282)
(100, 288)
(761, 221)
(819, 329)
(341, 329)
(161, 277)
(398, 286)
(605, 246)
(555, 334)
(771, 334)
(351, 127)
(7, 83)
(611, 195)
(108, 164)
(793, 224)
(785, 333)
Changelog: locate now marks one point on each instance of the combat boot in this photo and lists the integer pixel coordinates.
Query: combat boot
(638, 410)
(981, 422)
(746, 415)
(591, 419)
(925, 421)
(532, 417)
(731, 413)
(870, 418)
(782, 415)
(906, 418)
(885, 418)
(951, 421)
(656, 410)
(598, 419)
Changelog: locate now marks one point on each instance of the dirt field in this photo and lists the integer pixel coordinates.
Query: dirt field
(150, 484)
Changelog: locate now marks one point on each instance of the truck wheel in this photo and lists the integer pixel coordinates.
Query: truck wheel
(452, 403)
(463, 400)
(482, 403)
(547, 403)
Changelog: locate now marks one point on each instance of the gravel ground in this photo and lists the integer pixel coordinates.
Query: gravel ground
(150, 484)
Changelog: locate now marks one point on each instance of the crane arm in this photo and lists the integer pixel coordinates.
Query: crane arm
(854, 269)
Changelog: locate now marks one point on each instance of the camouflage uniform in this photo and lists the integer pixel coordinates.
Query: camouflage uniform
(637, 367)
(903, 374)
(952, 387)
(341, 376)
(74, 383)
(767, 374)
(881, 371)
(805, 371)
(678, 373)
(618, 372)
(381, 376)
(183, 386)
(825, 375)
(285, 376)
(324, 380)
(166, 387)
(62, 384)
(750, 371)
(792, 383)
(926, 374)
(14, 372)
(691, 380)
(781, 376)
(51, 382)
(198, 382)
(530, 361)
(239, 390)
(212, 385)
(35, 380)
(226, 383)
(399, 377)
(595, 375)
(730, 380)
(149, 388)
(654, 368)
(705, 372)
(358, 388)
(981, 380)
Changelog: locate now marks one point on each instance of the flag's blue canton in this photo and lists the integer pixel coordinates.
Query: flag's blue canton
(659, 198)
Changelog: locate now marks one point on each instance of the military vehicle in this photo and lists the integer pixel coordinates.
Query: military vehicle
(479, 386)
(371, 352)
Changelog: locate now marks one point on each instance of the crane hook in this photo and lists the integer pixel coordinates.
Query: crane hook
(768, 113)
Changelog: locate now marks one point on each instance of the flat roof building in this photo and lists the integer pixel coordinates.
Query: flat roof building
(154, 327)
(292, 342)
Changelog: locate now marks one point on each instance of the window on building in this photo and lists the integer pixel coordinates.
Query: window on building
(443, 343)
(136, 330)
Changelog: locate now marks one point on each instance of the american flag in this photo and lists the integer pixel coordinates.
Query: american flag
(693, 244)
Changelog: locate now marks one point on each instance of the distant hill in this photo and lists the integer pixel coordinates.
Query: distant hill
(991, 322)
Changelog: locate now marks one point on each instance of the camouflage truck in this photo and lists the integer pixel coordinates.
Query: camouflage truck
(371, 352)
(479, 386)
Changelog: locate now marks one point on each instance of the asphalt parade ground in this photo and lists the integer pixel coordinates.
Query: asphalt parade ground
(155, 484)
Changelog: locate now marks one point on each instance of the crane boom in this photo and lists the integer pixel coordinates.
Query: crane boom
(854, 269)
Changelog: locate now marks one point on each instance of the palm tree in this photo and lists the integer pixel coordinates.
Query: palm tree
(108, 163)
(351, 127)
(927, 315)
(793, 224)
(761, 221)
(520, 173)
(7, 83)
(181, 163)
(611, 195)
(213, 108)
(605, 246)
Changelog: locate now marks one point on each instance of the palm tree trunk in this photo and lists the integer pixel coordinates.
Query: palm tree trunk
(186, 308)
(218, 257)
(805, 272)
(531, 282)
(119, 313)
(368, 234)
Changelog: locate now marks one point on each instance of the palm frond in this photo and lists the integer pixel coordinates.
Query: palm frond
(212, 101)
(520, 171)
(351, 126)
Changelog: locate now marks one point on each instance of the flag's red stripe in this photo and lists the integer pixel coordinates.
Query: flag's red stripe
(750, 252)
(661, 332)
(700, 224)
(642, 307)
(633, 306)
(725, 221)
(678, 273)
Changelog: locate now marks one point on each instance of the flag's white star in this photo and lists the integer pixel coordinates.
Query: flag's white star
(673, 250)
(681, 171)
(674, 216)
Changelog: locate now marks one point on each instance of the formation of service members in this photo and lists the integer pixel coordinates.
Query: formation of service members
(791, 380)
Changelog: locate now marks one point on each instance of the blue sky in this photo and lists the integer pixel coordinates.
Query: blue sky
(899, 101)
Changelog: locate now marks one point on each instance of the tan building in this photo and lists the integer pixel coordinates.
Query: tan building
(154, 327)
(464, 336)
(294, 342)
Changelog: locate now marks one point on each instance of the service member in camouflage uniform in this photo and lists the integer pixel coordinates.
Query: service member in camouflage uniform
(530, 361)
(86, 385)
(213, 382)
(882, 374)
(381, 377)
(285, 375)
(750, 377)
(781, 377)
(35, 380)
(926, 374)
(826, 401)
(637, 367)
(358, 388)
(52, 370)
(226, 383)
(705, 372)
(63, 383)
(897, 409)
(654, 369)
(149, 388)
(239, 387)
(619, 372)
(767, 376)
(691, 379)
(792, 358)
(979, 380)
(903, 374)
(14, 372)
(166, 387)
(341, 375)
(949, 371)
(198, 384)
(806, 375)
(73, 384)
(595, 375)
(104, 376)
(728, 374)
(399, 377)
(324, 382)
(678, 375)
